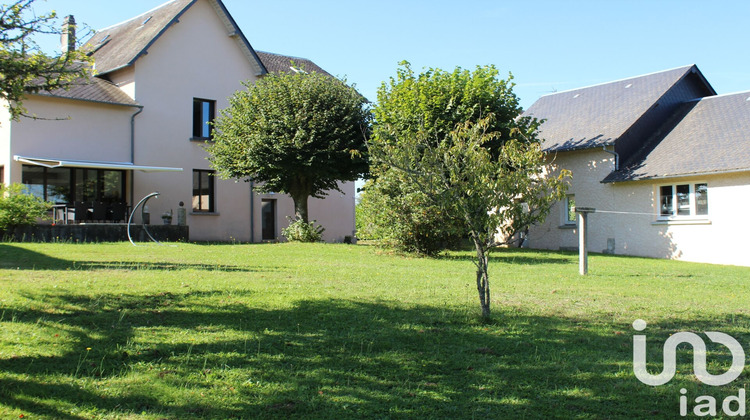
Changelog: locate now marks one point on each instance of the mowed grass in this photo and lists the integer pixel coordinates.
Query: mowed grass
(111, 331)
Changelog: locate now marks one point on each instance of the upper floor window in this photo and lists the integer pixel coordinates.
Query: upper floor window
(203, 191)
(204, 111)
(682, 200)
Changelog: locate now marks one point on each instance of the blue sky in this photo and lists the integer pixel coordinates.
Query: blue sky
(547, 45)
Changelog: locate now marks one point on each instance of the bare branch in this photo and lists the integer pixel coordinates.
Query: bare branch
(25, 68)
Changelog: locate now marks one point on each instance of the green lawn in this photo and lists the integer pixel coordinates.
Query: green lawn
(335, 331)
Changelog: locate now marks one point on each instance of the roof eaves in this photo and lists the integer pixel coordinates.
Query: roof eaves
(574, 148)
(242, 37)
(699, 73)
(692, 69)
(124, 66)
(49, 95)
(585, 146)
(615, 179)
(723, 95)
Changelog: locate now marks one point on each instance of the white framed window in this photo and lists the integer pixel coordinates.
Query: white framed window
(678, 201)
(569, 214)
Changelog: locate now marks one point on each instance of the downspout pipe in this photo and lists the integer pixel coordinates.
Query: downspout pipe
(132, 152)
(615, 154)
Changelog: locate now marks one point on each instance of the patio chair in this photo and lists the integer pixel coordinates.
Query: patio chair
(117, 212)
(80, 212)
(100, 211)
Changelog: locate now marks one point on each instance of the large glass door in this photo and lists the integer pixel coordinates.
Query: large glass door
(67, 185)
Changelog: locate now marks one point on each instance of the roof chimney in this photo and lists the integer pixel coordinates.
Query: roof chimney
(68, 34)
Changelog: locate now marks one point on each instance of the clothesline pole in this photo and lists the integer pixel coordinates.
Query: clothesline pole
(583, 252)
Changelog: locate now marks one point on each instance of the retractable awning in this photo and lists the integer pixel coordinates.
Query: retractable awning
(67, 163)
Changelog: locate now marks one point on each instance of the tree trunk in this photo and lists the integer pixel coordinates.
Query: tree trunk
(483, 282)
(300, 206)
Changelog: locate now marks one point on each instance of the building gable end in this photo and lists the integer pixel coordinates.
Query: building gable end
(121, 45)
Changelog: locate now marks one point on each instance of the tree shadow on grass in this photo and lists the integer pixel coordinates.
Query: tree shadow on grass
(517, 256)
(331, 359)
(19, 258)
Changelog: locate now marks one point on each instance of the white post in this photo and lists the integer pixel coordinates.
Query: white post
(583, 243)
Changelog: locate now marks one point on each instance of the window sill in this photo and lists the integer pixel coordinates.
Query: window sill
(200, 139)
(204, 213)
(566, 226)
(677, 222)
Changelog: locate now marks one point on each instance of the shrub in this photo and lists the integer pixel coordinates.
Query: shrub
(18, 208)
(402, 217)
(301, 231)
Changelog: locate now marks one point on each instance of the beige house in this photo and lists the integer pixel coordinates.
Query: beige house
(663, 160)
(140, 126)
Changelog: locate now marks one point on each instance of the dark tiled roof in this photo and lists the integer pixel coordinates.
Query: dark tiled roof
(121, 45)
(276, 63)
(598, 115)
(94, 89)
(712, 135)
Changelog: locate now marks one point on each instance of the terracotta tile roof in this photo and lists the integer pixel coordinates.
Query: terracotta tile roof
(710, 135)
(598, 115)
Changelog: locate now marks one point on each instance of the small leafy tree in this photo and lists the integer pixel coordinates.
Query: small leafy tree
(24, 67)
(492, 174)
(17, 208)
(296, 133)
(429, 105)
